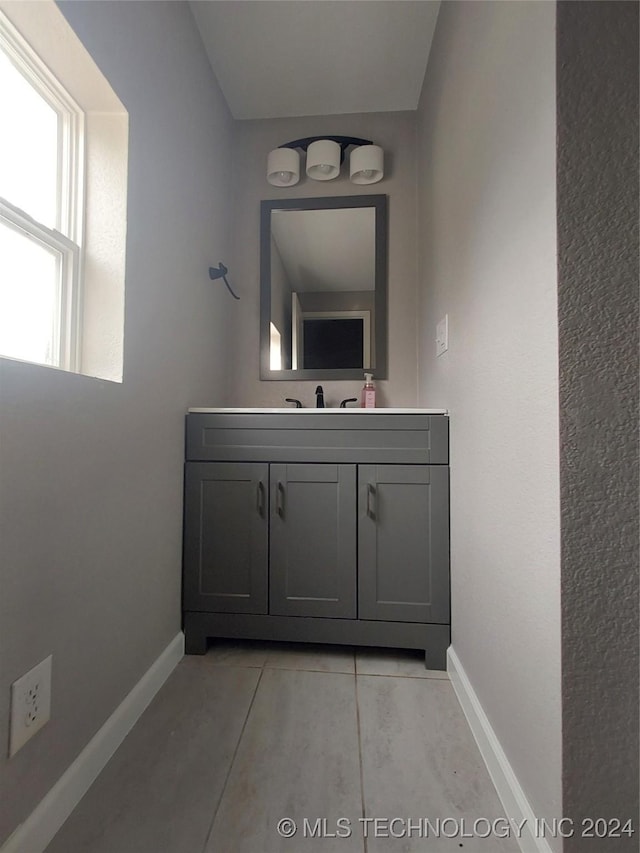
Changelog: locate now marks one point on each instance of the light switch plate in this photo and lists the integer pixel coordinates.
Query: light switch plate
(442, 335)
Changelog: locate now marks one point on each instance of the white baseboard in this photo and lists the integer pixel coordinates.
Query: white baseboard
(514, 801)
(45, 820)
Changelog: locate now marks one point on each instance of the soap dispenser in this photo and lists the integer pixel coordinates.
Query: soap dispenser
(368, 392)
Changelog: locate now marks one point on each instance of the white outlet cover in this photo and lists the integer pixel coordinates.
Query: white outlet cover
(442, 335)
(30, 704)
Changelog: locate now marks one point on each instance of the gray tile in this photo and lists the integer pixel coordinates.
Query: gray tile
(251, 653)
(318, 658)
(405, 662)
(159, 792)
(419, 760)
(298, 758)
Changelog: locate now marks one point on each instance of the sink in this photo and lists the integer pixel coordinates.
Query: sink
(355, 410)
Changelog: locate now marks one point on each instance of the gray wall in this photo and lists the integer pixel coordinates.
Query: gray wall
(339, 300)
(395, 132)
(598, 310)
(91, 471)
(487, 238)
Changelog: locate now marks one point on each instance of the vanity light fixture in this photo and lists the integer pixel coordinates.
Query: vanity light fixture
(324, 157)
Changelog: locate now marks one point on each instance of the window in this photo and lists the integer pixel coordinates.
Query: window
(41, 223)
(64, 143)
(275, 351)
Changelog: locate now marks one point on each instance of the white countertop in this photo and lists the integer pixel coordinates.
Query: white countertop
(348, 411)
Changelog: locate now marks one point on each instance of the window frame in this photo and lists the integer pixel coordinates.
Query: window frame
(68, 267)
(66, 238)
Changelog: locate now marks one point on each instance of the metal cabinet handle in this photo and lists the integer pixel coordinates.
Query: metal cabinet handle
(260, 499)
(280, 499)
(371, 500)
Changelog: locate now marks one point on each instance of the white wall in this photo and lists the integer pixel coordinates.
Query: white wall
(395, 132)
(487, 235)
(91, 471)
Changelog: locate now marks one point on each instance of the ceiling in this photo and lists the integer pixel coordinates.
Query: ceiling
(302, 238)
(278, 58)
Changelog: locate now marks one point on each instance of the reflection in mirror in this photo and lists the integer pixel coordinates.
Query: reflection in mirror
(323, 288)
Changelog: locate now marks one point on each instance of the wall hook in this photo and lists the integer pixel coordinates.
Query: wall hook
(221, 272)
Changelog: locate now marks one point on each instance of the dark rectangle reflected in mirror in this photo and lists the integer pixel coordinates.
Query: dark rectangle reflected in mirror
(323, 271)
(333, 343)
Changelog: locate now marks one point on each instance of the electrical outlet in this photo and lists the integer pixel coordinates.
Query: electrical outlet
(30, 704)
(442, 335)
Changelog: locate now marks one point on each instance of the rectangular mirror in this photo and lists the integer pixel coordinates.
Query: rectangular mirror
(323, 288)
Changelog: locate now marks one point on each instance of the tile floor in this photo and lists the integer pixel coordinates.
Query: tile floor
(330, 737)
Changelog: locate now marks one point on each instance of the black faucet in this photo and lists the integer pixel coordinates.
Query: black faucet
(319, 397)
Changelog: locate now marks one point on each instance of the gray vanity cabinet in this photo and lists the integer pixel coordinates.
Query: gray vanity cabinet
(325, 528)
(313, 540)
(226, 537)
(403, 535)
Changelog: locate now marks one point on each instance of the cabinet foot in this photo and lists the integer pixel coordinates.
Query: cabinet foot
(436, 658)
(195, 643)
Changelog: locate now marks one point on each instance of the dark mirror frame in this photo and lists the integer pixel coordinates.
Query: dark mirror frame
(379, 202)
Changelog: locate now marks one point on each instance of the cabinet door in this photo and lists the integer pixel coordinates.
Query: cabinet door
(226, 537)
(313, 540)
(403, 544)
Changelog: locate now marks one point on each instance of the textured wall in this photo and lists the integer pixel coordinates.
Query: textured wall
(598, 311)
(91, 471)
(395, 132)
(487, 238)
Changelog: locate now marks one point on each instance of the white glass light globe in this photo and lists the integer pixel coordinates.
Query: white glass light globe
(323, 160)
(366, 164)
(283, 167)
